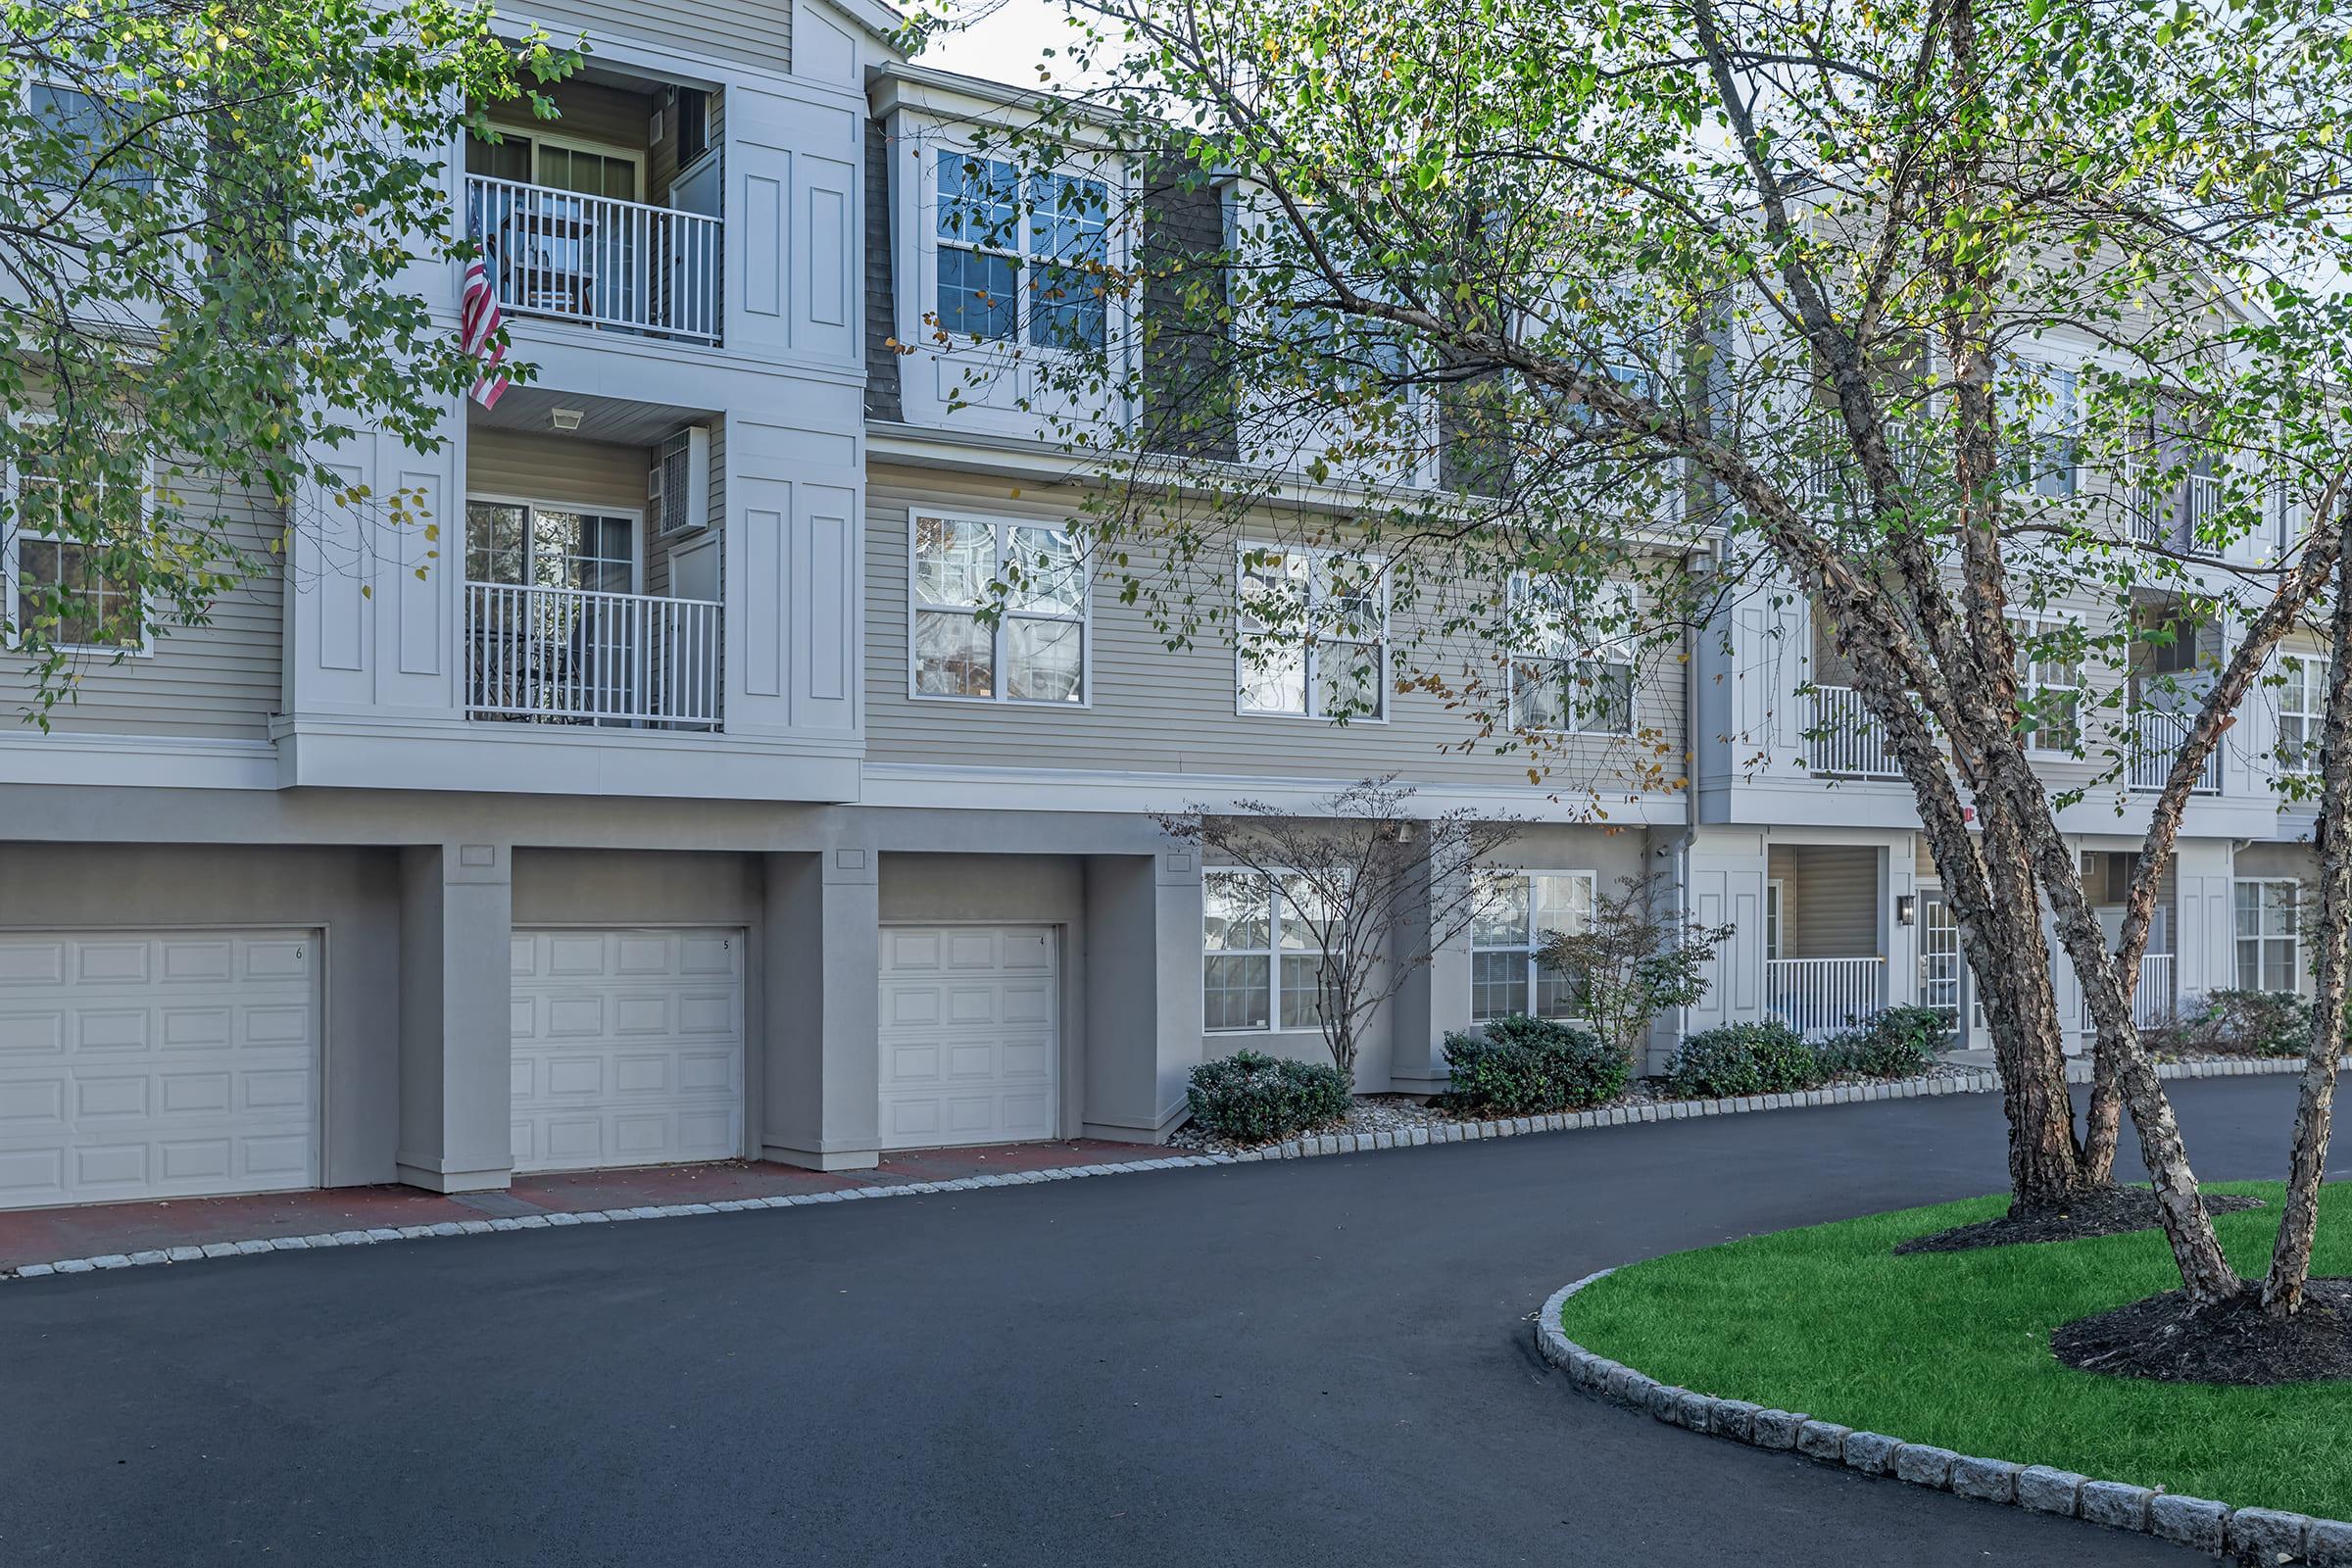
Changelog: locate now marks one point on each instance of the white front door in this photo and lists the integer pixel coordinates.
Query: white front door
(627, 1047)
(141, 1064)
(968, 1034)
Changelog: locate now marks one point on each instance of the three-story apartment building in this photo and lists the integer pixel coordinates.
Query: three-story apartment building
(690, 810)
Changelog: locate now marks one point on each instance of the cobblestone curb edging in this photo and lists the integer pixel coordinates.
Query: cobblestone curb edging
(1460, 1132)
(2267, 1537)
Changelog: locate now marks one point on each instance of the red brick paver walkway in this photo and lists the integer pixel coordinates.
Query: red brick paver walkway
(45, 1235)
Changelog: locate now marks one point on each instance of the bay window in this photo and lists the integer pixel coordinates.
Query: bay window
(1261, 957)
(1313, 633)
(2269, 954)
(1572, 664)
(1516, 914)
(998, 610)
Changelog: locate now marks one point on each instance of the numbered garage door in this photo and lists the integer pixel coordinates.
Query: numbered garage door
(628, 1048)
(968, 1040)
(157, 1064)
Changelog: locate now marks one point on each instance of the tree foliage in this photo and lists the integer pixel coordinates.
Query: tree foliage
(1634, 961)
(217, 220)
(2005, 333)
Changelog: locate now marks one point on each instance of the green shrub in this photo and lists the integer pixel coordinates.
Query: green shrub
(1523, 1067)
(2251, 1023)
(1253, 1097)
(1745, 1058)
(1897, 1042)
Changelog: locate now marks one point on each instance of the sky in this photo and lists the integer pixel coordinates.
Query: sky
(1005, 45)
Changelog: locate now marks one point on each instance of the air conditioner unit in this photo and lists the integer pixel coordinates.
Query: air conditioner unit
(678, 485)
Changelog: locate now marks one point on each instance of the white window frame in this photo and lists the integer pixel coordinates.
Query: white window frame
(1027, 262)
(1619, 648)
(18, 533)
(1000, 639)
(2305, 762)
(1276, 902)
(2262, 940)
(1315, 557)
(2033, 684)
(532, 505)
(1776, 913)
(1534, 938)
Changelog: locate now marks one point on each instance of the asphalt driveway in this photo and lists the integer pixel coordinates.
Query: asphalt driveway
(1323, 1362)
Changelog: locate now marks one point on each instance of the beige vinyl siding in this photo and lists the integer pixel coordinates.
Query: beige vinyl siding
(221, 679)
(587, 111)
(757, 33)
(1155, 710)
(1829, 899)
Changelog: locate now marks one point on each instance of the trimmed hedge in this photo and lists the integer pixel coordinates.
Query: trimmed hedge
(1772, 1059)
(1744, 1058)
(1898, 1043)
(1253, 1097)
(1522, 1066)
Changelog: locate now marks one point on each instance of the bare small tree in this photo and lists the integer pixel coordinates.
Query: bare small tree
(1375, 889)
(1632, 962)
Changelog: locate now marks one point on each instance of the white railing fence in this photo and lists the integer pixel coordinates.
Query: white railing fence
(1818, 996)
(596, 260)
(2156, 741)
(2152, 1003)
(566, 656)
(1847, 738)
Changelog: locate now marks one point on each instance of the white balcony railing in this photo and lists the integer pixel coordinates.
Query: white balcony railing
(2152, 1002)
(1818, 996)
(597, 261)
(2156, 741)
(1847, 738)
(563, 656)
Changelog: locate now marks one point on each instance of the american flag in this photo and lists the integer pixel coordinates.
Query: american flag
(478, 323)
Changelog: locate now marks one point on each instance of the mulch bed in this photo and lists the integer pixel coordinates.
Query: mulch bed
(2165, 1339)
(2112, 1212)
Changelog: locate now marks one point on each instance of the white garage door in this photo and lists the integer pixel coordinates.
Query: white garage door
(968, 1048)
(157, 1064)
(628, 1048)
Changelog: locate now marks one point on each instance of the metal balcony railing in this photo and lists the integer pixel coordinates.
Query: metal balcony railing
(2156, 741)
(1847, 739)
(597, 261)
(1818, 996)
(566, 656)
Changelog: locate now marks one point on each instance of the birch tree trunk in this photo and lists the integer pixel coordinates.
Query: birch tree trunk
(2314, 1107)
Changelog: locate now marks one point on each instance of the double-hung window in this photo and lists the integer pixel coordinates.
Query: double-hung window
(1261, 957)
(1515, 915)
(96, 134)
(1032, 575)
(56, 581)
(1313, 633)
(1572, 664)
(1020, 271)
(2302, 705)
(2051, 683)
(2269, 945)
(2039, 419)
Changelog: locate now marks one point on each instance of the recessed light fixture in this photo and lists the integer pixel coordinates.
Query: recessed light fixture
(565, 418)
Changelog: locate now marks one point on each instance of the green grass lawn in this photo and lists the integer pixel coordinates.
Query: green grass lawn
(1953, 1349)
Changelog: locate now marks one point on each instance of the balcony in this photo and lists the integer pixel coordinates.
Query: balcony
(563, 656)
(2152, 1001)
(1847, 740)
(2156, 741)
(597, 261)
(1818, 996)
